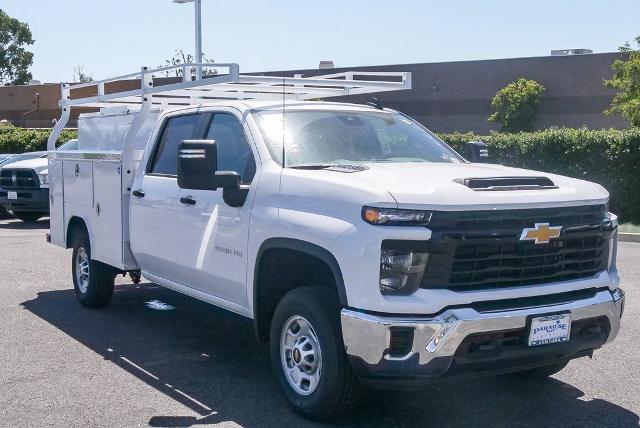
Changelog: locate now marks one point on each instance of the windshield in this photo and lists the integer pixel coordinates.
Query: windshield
(69, 145)
(330, 137)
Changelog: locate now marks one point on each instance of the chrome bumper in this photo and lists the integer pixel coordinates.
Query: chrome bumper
(367, 337)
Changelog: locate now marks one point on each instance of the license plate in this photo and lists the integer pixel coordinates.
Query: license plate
(550, 329)
(12, 195)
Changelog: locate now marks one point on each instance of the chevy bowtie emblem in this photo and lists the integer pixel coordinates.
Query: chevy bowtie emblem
(542, 233)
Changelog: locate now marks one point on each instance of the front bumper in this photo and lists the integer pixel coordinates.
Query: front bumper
(437, 347)
(36, 200)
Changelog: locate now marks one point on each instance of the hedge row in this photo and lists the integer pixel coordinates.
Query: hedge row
(608, 157)
(19, 140)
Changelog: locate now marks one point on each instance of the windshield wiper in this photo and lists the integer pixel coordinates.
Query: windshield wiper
(313, 166)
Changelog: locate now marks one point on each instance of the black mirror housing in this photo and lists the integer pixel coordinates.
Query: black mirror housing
(197, 164)
(477, 151)
(198, 170)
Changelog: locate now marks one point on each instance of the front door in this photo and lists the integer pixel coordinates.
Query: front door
(215, 235)
(153, 226)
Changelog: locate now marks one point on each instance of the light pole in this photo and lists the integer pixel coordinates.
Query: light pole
(198, 30)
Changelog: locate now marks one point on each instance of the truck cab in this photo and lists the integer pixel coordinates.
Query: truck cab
(367, 251)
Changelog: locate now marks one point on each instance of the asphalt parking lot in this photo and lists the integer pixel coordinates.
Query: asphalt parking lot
(129, 365)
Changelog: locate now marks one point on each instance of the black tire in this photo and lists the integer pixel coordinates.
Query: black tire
(96, 292)
(542, 372)
(4, 213)
(28, 217)
(337, 390)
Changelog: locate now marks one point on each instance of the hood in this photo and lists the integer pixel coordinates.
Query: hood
(39, 165)
(442, 186)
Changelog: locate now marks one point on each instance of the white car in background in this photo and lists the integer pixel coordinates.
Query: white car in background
(24, 184)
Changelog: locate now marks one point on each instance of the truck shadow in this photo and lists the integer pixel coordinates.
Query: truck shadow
(207, 360)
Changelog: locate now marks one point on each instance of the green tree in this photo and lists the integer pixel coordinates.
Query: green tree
(15, 60)
(626, 79)
(516, 105)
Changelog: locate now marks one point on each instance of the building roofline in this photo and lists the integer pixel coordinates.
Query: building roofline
(413, 64)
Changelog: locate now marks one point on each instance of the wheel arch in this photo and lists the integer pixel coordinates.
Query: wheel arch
(304, 248)
(75, 224)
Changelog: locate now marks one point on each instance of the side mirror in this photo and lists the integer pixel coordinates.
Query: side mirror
(197, 164)
(198, 170)
(198, 167)
(477, 151)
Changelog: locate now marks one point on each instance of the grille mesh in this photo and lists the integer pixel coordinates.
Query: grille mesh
(481, 250)
(25, 179)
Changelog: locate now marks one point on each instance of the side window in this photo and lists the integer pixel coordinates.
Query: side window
(176, 129)
(234, 153)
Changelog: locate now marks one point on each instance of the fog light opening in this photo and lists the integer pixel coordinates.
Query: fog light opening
(400, 341)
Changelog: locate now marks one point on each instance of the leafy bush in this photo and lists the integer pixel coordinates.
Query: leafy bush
(19, 140)
(626, 79)
(608, 157)
(516, 105)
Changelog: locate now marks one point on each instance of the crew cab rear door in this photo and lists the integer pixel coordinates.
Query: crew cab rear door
(153, 220)
(213, 235)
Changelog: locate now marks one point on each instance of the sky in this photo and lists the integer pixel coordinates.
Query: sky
(113, 37)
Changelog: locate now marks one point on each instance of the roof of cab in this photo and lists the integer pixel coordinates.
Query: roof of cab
(261, 105)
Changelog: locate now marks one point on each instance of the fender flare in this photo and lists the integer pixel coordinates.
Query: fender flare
(303, 247)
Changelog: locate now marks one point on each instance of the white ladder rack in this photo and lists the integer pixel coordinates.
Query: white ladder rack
(226, 83)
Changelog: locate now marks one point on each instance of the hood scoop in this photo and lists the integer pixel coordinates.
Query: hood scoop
(493, 184)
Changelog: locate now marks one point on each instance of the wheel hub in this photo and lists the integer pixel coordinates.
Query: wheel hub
(300, 355)
(296, 356)
(82, 270)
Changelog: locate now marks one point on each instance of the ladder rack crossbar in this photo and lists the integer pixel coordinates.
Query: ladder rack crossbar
(231, 85)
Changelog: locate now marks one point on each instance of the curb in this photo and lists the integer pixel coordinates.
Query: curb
(629, 237)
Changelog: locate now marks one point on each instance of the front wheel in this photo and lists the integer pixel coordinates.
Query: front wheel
(308, 356)
(92, 280)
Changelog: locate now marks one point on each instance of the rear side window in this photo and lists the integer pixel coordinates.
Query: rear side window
(175, 130)
(234, 153)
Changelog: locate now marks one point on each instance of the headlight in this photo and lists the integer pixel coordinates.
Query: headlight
(610, 224)
(44, 179)
(610, 221)
(395, 217)
(401, 270)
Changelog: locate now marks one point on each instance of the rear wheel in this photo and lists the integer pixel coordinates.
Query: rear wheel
(308, 356)
(543, 372)
(28, 217)
(92, 280)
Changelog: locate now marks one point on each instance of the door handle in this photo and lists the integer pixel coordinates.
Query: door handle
(188, 200)
(138, 193)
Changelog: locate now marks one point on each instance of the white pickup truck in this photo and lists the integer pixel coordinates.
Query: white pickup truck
(367, 251)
